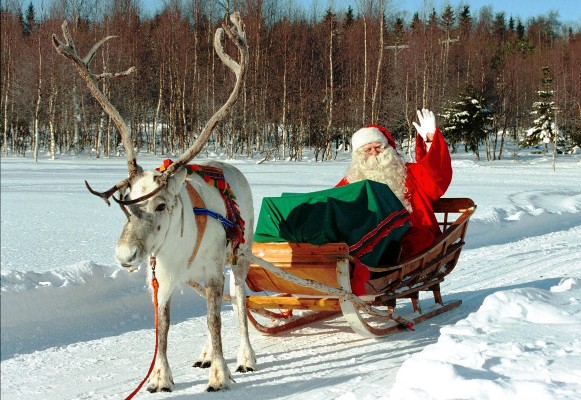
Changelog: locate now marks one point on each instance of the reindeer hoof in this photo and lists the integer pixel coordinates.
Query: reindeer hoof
(156, 384)
(202, 364)
(243, 369)
(152, 389)
(215, 389)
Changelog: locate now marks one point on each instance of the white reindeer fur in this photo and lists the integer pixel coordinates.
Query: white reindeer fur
(159, 233)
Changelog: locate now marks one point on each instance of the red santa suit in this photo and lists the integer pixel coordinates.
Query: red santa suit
(426, 181)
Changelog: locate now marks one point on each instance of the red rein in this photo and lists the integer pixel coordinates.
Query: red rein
(155, 286)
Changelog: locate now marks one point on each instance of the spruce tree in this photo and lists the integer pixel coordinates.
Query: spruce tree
(466, 121)
(544, 129)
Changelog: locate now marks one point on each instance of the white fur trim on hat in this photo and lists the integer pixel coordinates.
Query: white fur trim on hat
(367, 135)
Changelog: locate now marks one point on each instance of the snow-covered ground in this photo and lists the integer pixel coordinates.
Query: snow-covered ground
(74, 326)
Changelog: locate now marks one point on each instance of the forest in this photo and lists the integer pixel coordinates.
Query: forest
(496, 83)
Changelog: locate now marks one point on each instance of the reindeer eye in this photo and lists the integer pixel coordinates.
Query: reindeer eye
(160, 207)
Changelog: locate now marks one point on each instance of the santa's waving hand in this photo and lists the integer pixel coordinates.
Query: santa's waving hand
(427, 127)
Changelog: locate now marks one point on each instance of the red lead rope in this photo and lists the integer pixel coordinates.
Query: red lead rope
(155, 286)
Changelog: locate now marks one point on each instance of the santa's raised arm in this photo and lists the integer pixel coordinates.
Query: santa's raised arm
(417, 184)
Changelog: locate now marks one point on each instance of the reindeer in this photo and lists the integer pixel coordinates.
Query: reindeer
(184, 248)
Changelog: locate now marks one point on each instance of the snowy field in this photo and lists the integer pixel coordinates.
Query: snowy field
(75, 326)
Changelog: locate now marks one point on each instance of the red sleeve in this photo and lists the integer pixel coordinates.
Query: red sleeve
(342, 182)
(433, 167)
(421, 148)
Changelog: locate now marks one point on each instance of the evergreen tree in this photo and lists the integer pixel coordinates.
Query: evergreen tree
(544, 129)
(399, 30)
(465, 20)
(416, 22)
(466, 121)
(499, 26)
(448, 18)
(520, 30)
(349, 18)
(28, 23)
(433, 19)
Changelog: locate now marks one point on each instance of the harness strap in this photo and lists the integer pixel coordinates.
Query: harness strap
(201, 219)
(204, 211)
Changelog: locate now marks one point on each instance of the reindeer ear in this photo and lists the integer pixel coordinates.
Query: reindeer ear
(176, 181)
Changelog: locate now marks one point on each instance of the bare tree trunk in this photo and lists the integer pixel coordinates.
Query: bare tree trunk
(363, 116)
(37, 108)
(6, 101)
(283, 119)
(232, 139)
(13, 131)
(329, 134)
(488, 146)
(374, 106)
(302, 127)
(109, 145)
(183, 110)
(51, 115)
(503, 137)
(554, 140)
(213, 76)
(100, 132)
(103, 118)
(76, 117)
(196, 72)
(425, 81)
(157, 110)
(407, 113)
(259, 127)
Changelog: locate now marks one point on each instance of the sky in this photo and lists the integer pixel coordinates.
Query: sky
(76, 326)
(569, 10)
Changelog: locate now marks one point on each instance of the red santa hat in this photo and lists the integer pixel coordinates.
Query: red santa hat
(370, 134)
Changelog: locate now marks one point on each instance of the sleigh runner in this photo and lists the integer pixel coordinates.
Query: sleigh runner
(298, 283)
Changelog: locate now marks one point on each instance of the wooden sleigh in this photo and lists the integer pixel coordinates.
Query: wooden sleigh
(294, 284)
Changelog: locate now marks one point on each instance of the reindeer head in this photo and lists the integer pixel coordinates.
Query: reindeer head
(149, 198)
(150, 205)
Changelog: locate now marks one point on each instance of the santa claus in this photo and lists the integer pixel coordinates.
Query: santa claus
(417, 184)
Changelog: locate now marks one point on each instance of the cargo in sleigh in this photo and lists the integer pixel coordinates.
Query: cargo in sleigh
(294, 283)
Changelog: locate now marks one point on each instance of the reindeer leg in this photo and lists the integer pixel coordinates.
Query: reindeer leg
(161, 379)
(219, 373)
(246, 356)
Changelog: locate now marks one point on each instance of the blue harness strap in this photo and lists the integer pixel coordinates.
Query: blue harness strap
(204, 211)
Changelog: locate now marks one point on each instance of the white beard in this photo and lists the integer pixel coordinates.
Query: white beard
(387, 167)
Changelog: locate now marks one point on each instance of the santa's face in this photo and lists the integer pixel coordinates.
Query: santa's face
(380, 163)
(373, 149)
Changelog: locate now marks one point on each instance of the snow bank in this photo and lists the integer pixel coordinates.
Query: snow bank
(520, 344)
(77, 303)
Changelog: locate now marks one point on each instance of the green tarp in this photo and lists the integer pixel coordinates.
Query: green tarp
(366, 215)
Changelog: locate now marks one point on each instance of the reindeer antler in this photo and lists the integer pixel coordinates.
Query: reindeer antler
(238, 36)
(68, 49)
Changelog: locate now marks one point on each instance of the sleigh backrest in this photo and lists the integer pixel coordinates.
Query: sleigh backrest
(429, 267)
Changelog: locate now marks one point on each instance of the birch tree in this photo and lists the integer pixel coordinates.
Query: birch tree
(37, 107)
(374, 102)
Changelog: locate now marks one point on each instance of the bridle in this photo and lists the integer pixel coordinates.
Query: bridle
(124, 203)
